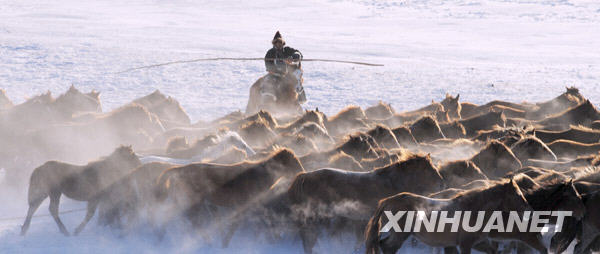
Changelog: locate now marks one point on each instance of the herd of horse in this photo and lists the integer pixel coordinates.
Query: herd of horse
(308, 175)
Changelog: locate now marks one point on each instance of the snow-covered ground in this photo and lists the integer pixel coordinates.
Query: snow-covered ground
(490, 49)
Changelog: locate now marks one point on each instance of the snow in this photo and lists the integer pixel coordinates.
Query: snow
(491, 49)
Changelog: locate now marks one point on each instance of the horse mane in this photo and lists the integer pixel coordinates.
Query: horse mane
(343, 158)
(351, 110)
(582, 128)
(177, 143)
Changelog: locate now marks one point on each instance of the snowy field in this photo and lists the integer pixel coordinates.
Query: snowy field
(493, 49)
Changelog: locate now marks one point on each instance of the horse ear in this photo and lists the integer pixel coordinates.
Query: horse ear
(317, 109)
(457, 96)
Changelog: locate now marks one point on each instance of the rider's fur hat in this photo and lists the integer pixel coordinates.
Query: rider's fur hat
(277, 38)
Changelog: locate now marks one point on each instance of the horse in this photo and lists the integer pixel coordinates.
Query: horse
(345, 162)
(384, 137)
(168, 110)
(223, 141)
(237, 186)
(504, 196)
(309, 116)
(257, 133)
(496, 160)
(483, 122)
(574, 133)
(404, 137)
(453, 130)
(583, 114)
(566, 100)
(532, 148)
(298, 143)
(131, 196)
(231, 156)
(326, 193)
(358, 146)
(458, 173)
(318, 134)
(452, 105)
(83, 183)
(276, 94)
(572, 149)
(380, 111)
(426, 129)
(350, 119)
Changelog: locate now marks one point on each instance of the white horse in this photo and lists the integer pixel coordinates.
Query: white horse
(224, 142)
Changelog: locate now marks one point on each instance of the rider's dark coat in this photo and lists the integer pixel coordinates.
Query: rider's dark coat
(275, 59)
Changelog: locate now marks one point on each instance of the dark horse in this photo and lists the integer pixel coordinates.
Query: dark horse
(504, 196)
(336, 194)
(83, 183)
(276, 94)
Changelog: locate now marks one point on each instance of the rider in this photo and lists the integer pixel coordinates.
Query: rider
(279, 57)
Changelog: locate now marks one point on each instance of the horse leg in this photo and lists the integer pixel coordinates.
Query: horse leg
(534, 240)
(309, 235)
(54, 202)
(91, 209)
(588, 235)
(465, 247)
(450, 250)
(229, 234)
(33, 206)
(393, 242)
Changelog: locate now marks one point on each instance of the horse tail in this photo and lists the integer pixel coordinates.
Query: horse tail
(372, 230)
(561, 240)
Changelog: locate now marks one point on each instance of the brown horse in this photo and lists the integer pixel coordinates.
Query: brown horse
(572, 149)
(458, 173)
(426, 129)
(276, 94)
(257, 133)
(82, 183)
(568, 99)
(501, 197)
(583, 114)
(380, 111)
(317, 134)
(168, 110)
(405, 137)
(298, 143)
(348, 120)
(453, 130)
(345, 162)
(452, 105)
(384, 137)
(236, 186)
(358, 146)
(131, 196)
(329, 193)
(309, 116)
(532, 148)
(483, 122)
(574, 133)
(496, 160)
